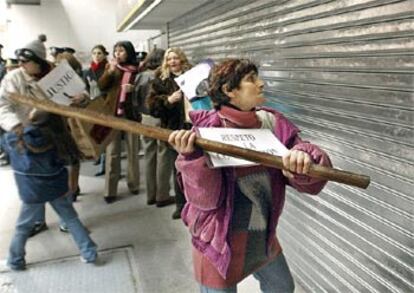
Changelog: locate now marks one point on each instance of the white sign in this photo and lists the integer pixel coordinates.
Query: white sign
(189, 80)
(262, 140)
(62, 83)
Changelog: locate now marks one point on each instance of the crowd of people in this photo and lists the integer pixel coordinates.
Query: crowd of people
(231, 212)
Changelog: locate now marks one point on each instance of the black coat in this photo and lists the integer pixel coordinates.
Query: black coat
(172, 115)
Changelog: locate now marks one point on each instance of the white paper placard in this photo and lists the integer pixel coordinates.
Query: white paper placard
(262, 140)
(62, 83)
(189, 80)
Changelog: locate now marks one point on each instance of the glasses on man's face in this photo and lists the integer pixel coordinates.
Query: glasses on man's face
(25, 53)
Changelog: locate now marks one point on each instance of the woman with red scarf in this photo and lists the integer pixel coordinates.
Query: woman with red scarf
(117, 81)
(91, 77)
(95, 71)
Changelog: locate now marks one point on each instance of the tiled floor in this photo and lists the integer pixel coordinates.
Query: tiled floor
(159, 246)
(66, 275)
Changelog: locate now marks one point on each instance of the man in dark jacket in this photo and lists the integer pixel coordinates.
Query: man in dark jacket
(2, 65)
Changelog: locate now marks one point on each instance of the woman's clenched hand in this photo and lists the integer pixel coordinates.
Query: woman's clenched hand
(297, 162)
(183, 141)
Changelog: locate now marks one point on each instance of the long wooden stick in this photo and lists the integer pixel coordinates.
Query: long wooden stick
(265, 159)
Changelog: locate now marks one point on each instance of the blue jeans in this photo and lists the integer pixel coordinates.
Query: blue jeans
(29, 213)
(273, 278)
(41, 216)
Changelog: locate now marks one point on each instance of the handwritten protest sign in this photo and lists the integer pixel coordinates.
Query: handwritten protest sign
(262, 140)
(62, 83)
(189, 81)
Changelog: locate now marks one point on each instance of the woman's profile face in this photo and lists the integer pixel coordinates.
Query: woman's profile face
(249, 94)
(120, 54)
(174, 63)
(97, 55)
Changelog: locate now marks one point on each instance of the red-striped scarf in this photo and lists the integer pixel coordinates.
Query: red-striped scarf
(128, 76)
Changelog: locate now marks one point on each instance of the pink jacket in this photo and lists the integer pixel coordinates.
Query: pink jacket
(210, 192)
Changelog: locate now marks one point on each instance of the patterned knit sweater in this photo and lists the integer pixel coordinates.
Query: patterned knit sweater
(248, 237)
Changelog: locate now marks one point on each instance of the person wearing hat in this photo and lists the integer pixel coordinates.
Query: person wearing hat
(69, 50)
(1, 47)
(2, 65)
(1, 58)
(55, 53)
(23, 81)
(33, 66)
(11, 64)
(4, 158)
(141, 55)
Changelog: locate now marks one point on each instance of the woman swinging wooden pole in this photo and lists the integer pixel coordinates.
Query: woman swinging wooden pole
(265, 159)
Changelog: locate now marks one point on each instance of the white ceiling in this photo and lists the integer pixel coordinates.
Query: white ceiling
(23, 2)
(164, 12)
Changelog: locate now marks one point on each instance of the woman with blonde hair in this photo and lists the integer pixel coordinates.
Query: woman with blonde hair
(166, 102)
(174, 67)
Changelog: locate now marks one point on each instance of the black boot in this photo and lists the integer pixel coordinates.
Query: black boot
(177, 213)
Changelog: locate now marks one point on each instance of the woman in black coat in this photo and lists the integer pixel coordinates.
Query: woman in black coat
(167, 102)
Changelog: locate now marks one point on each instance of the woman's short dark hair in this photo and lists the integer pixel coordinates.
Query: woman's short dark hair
(130, 50)
(154, 59)
(228, 73)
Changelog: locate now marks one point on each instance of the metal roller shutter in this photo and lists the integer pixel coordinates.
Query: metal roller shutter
(343, 72)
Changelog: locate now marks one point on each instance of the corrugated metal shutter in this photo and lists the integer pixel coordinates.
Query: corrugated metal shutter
(343, 72)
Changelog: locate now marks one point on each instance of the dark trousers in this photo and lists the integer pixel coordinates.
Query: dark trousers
(179, 195)
(4, 158)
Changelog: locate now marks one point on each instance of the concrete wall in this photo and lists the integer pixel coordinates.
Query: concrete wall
(76, 23)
